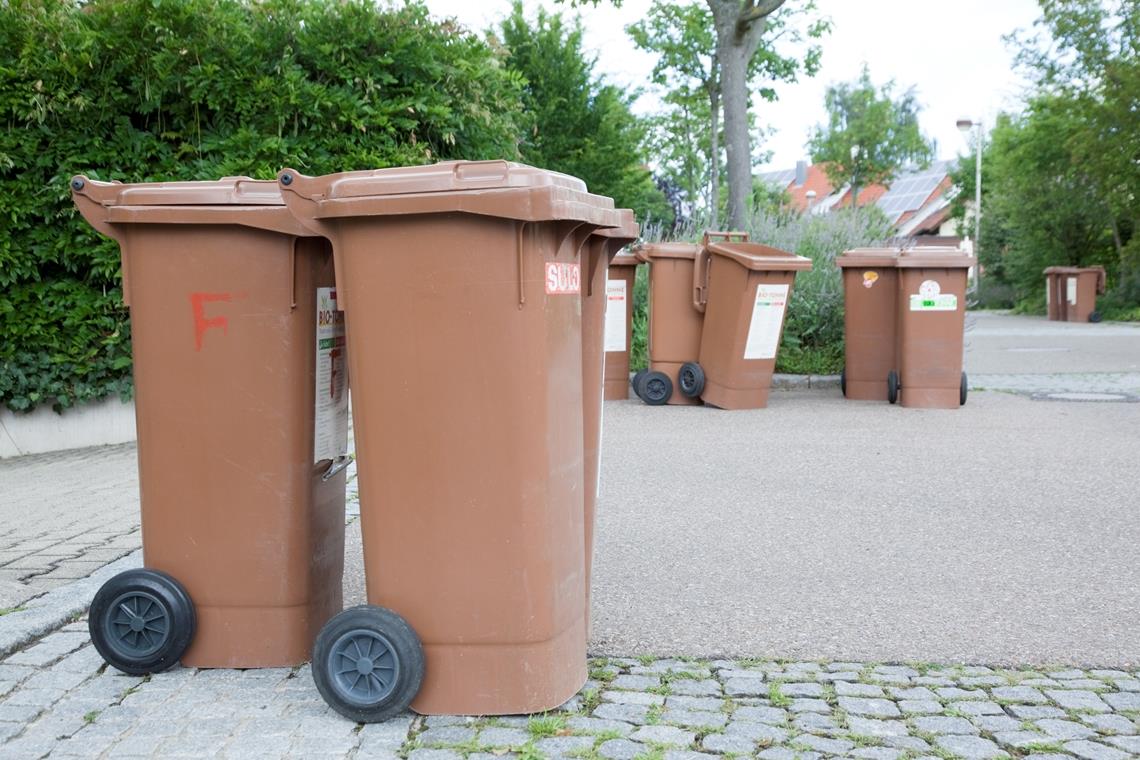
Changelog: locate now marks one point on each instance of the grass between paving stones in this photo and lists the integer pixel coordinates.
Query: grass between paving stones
(9, 610)
(777, 697)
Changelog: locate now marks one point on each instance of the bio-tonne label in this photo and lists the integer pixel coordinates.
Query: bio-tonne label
(330, 434)
(767, 319)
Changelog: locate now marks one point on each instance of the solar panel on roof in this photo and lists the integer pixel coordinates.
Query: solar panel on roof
(909, 192)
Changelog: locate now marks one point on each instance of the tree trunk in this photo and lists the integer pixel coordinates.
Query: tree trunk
(714, 155)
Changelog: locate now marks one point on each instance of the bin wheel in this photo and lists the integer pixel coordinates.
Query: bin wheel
(1094, 316)
(691, 379)
(963, 391)
(636, 379)
(843, 382)
(141, 621)
(654, 388)
(368, 663)
(892, 386)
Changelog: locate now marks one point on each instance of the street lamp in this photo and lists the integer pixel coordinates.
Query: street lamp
(965, 125)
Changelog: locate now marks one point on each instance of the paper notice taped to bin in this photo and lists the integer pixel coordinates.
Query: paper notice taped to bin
(1071, 290)
(615, 315)
(767, 318)
(330, 434)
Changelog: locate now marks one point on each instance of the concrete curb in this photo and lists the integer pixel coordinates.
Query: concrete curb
(44, 614)
(804, 382)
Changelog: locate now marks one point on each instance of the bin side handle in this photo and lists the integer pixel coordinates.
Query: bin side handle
(338, 464)
(701, 279)
(728, 235)
(90, 197)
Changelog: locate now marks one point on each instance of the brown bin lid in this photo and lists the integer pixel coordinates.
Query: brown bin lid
(625, 259)
(935, 257)
(758, 257)
(868, 257)
(650, 251)
(627, 226)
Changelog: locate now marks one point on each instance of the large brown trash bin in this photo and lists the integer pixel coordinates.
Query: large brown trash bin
(460, 284)
(242, 413)
(932, 314)
(597, 301)
(749, 288)
(674, 322)
(619, 324)
(870, 319)
(1074, 292)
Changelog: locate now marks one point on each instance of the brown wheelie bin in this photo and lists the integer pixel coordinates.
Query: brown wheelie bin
(749, 287)
(597, 302)
(870, 319)
(619, 324)
(932, 314)
(460, 284)
(1055, 292)
(242, 413)
(674, 322)
(1082, 286)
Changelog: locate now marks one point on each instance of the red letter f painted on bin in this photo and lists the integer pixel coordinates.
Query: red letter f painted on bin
(198, 303)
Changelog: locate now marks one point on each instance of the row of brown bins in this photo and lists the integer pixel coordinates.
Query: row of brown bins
(717, 311)
(466, 302)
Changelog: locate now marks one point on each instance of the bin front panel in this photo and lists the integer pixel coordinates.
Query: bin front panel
(1084, 290)
(468, 408)
(870, 314)
(932, 311)
(233, 505)
(618, 336)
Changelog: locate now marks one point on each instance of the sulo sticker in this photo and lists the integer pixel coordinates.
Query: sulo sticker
(563, 278)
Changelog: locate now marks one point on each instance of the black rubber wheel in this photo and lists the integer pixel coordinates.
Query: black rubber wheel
(892, 386)
(368, 663)
(654, 388)
(142, 621)
(1094, 316)
(843, 382)
(691, 379)
(636, 379)
(962, 393)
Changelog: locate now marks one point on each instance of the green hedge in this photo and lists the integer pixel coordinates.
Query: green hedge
(152, 90)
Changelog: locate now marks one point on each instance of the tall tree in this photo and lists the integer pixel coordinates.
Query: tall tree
(869, 134)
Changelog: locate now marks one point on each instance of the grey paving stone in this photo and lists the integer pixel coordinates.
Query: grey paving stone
(1091, 684)
(8, 730)
(1094, 751)
(669, 666)
(629, 713)
(803, 667)
(816, 723)
(970, 747)
(1040, 682)
(1126, 743)
(587, 725)
(801, 689)
(745, 687)
(1078, 699)
(975, 670)
(664, 735)
(38, 697)
(434, 754)
(1110, 674)
(996, 723)
(887, 678)
(837, 666)
(874, 708)
(1128, 684)
(620, 749)
(876, 753)
(920, 707)
(709, 704)
(498, 755)
(871, 727)
(699, 719)
(757, 732)
(633, 698)
(726, 674)
(435, 721)
(974, 709)
(19, 713)
(844, 689)
(442, 735)
(842, 675)
(1025, 695)
(955, 694)
(761, 714)
(932, 681)
(1115, 724)
(1124, 700)
(974, 681)
(704, 688)
(897, 670)
(735, 743)
(503, 737)
(1065, 730)
(809, 705)
(685, 754)
(915, 693)
(389, 735)
(1049, 756)
(1018, 739)
(783, 753)
(945, 725)
(562, 745)
(637, 683)
(1035, 712)
(912, 743)
(823, 744)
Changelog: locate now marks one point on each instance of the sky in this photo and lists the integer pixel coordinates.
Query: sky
(951, 53)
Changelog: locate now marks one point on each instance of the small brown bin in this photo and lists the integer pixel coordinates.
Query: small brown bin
(1081, 287)
(749, 287)
(674, 322)
(597, 301)
(242, 413)
(460, 284)
(870, 318)
(619, 324)
(932, 314)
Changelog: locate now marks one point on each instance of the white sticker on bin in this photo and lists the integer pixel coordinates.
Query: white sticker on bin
(941, 302)
(330, 421)
(767, 319)
(563, 278)
(1071, 290)
(615, 315)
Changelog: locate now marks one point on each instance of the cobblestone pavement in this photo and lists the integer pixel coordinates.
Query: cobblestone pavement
(60, 701)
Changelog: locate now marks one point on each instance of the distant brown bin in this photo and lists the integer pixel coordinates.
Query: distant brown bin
(932, 314)
(597, 292)
(674, 322)
(870, 318)
(461, 288)
(242, 418)
(1074, 291)
(619, 324)
(749, 288)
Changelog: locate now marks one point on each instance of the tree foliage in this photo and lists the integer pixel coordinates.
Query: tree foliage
(870, 134)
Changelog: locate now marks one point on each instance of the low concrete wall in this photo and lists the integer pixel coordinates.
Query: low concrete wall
(96, 424)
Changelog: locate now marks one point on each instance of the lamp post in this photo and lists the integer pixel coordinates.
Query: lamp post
(965, 125)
